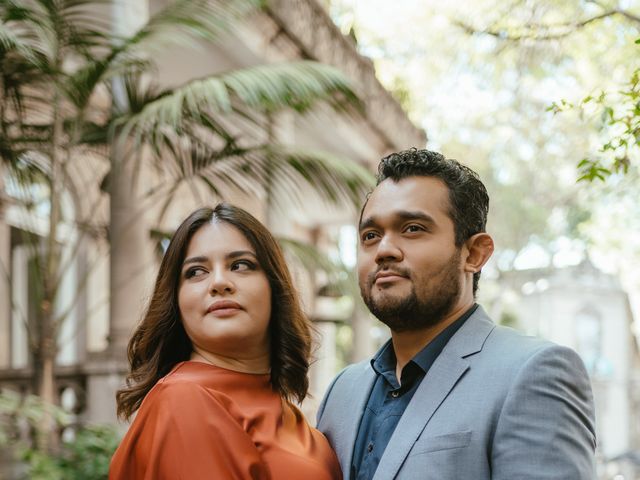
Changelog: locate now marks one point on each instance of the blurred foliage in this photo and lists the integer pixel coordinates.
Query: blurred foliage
(508, 319)
(619, 119)
(482, 75)
(615, 112)
(86, 457)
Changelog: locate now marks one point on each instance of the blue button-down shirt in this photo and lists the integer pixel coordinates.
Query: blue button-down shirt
(389, 398)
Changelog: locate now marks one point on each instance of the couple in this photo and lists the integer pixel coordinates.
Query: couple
(223, 350)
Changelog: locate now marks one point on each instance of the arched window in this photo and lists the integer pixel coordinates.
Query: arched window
(589, 340)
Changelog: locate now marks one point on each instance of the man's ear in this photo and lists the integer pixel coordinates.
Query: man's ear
(479, 248)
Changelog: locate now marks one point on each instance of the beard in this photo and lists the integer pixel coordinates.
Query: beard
(424, 306)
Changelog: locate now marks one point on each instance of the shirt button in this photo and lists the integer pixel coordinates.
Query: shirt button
(370, 447)
(395, 394)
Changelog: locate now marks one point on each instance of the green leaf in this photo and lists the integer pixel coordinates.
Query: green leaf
(297, 85)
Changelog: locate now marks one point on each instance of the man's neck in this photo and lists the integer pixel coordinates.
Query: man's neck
(408, 343)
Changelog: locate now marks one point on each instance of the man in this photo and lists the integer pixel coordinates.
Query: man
(451, 395)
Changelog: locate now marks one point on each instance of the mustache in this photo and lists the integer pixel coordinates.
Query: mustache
(387, 267)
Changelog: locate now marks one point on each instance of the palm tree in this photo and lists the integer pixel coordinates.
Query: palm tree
(75, 96)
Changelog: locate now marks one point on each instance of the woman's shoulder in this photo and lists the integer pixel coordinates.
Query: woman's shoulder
(184, 372)
(224, 390)
(180, 384)
(297, 417)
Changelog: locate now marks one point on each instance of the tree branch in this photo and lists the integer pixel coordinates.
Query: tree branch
(546, 31)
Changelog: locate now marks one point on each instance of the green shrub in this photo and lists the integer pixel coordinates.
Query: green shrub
(86, 457)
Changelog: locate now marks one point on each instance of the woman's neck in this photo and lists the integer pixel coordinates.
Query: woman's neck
(256, 365)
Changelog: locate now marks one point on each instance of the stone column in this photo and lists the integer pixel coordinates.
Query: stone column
(131, 251)
(5, 281)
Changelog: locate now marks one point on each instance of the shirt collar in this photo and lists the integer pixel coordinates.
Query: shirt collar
(385, 360)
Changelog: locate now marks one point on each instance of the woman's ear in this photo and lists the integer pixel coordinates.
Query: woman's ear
(480, 248)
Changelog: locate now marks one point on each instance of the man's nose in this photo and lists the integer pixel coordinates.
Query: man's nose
(221, 282)
(388, 250)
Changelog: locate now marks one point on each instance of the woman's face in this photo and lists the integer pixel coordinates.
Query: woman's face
(224, 295)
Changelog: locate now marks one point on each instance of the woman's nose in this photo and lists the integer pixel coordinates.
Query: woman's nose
(221, 282)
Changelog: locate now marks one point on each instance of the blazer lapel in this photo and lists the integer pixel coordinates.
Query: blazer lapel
(436, 385)
(359, 385)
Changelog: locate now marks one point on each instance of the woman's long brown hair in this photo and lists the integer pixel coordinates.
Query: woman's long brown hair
(160, 341)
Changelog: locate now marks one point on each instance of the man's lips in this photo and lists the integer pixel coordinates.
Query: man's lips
(224, 307)
(387, 276)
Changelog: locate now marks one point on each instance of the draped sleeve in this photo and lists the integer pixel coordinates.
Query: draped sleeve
(185, 431)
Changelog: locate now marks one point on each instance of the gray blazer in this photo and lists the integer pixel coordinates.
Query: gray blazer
(496, 404)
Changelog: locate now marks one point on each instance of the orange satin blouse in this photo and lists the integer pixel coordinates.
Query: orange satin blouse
(205, 422)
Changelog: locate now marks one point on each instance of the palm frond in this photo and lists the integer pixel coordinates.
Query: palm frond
(266, 88)
(33, 21)
(298, 85)
(19, 28)
(11, 41)
(172, 108)
(81, 85)
(297, 170)
(178, 23)
(221, 169)
(286, 174)
(87, 133)
(339, 277)
(189, 19)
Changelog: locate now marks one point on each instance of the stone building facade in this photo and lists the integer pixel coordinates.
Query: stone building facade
(585, 309)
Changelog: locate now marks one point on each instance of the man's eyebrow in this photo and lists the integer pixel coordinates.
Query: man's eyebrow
(367, 223)
(234, 254)
(416, 215)
(402, 215)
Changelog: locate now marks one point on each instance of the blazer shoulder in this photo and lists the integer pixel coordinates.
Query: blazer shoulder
(514, 354)
(350, 372)
(344, 379)
(514, 343)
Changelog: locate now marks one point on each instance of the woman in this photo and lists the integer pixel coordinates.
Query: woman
(220, 353)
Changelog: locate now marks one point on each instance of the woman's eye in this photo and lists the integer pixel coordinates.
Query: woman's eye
(242, 265)
(195, 272)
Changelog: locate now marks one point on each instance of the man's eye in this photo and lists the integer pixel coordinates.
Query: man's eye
(367, 236)
(414, 228)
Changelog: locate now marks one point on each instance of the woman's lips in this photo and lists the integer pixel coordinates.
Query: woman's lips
(224, 308)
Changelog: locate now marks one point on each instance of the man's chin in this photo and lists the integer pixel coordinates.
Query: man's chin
(402, 313)
(394, 293)
(387, 305)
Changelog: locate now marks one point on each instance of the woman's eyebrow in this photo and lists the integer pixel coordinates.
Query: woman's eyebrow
(198, 259)
(241, 253)
(230, 255)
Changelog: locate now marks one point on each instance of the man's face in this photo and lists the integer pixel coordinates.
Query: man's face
(409, 268)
